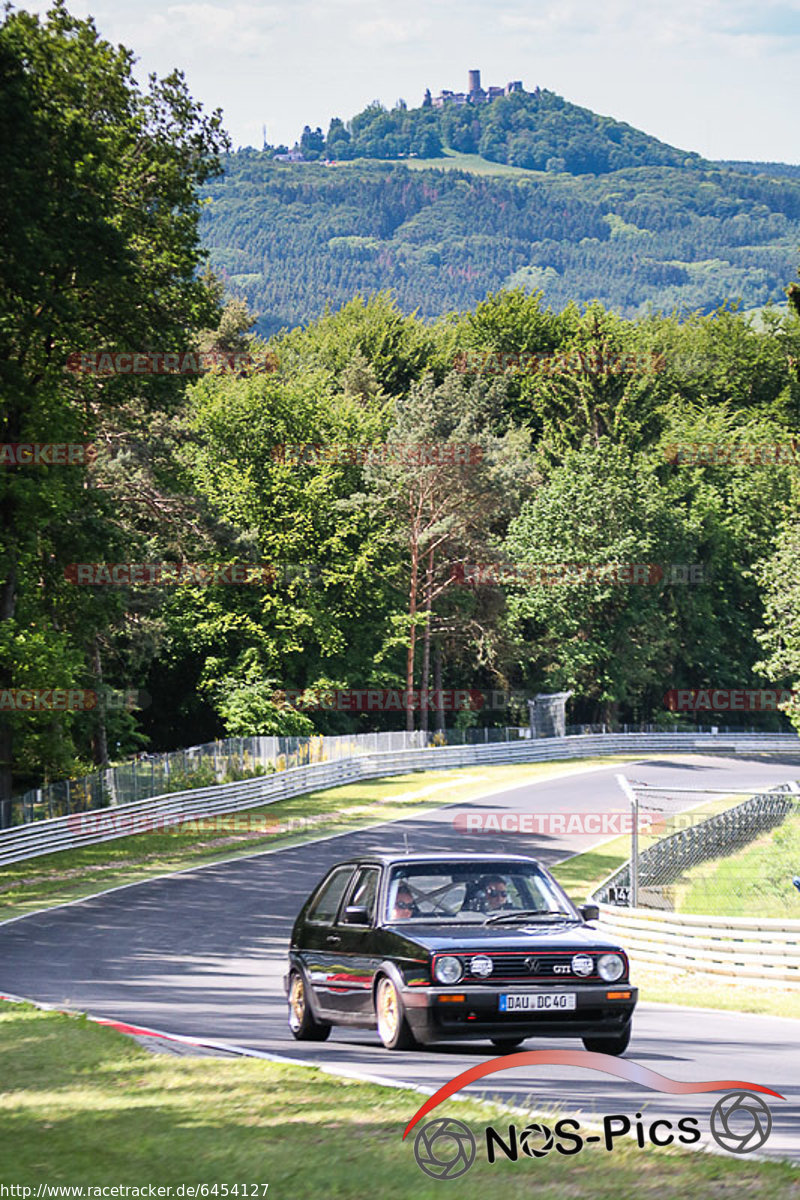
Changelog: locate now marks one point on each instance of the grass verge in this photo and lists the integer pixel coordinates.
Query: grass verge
(81, 1104)
(756, 881)
(74, 874)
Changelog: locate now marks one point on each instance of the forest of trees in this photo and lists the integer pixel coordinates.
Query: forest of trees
(289, 239)
(581, 418)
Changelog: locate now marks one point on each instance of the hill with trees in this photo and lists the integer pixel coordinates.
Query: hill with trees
(537, 130)
(290, 239)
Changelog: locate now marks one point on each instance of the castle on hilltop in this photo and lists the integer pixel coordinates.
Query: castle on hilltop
(475, 94)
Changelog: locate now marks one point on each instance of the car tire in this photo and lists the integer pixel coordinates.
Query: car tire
(505, 1045)
(609, 1045)
(393, 1027)
(303, 1025)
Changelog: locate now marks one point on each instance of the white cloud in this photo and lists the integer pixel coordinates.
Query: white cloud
(389, 31)
(223, 28)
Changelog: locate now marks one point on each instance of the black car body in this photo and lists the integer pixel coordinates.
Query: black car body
(490, 947)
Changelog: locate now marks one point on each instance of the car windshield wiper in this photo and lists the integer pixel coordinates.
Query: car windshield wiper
(526, 914)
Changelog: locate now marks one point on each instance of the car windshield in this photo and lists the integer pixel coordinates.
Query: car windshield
(471, 892)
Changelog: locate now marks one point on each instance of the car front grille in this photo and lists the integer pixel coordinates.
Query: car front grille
(550, 967)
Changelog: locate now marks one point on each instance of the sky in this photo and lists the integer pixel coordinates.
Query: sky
(721, 77)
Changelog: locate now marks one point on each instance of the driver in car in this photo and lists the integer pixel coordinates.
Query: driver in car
(496, 890)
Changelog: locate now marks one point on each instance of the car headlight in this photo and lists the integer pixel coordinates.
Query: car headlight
(448, 969)
(611, 967)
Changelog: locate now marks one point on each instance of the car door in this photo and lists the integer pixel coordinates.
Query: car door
(321, 941)
(350, 985)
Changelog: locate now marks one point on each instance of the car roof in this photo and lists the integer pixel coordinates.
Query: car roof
(387, 859)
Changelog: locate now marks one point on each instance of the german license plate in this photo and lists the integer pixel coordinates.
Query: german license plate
(536, 1001)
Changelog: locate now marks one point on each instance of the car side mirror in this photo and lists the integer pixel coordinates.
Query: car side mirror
(356, 914)
(589, 912)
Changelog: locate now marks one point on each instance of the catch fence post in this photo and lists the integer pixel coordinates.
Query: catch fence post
(634, 801)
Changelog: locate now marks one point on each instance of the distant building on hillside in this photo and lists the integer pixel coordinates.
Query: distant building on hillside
(295, 155)
(474, 94)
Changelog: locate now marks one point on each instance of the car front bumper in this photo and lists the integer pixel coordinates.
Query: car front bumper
(433, 1018)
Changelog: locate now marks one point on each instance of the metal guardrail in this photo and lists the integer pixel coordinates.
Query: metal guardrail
(86, 828)
(225, 761)
(234, 759)
(732, 948)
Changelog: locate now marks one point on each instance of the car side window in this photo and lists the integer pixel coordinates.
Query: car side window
(365, 890)
(326, 905)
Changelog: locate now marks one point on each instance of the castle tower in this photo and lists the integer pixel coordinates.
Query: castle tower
(474, 82)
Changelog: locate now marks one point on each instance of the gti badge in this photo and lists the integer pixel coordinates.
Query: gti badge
(582, 964)
(481, 965)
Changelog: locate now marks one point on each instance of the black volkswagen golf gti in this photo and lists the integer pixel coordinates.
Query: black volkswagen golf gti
(448, 947)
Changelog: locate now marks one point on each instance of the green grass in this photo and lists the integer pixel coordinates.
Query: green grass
(73, 874)
(754, 882)
(80, 1104)
(662, 985)
(453, 160)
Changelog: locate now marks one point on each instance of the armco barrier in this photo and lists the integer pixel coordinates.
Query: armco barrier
(732, 948)
(82, 829)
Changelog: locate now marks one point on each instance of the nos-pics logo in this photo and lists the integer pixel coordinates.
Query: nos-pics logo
(445, 1148)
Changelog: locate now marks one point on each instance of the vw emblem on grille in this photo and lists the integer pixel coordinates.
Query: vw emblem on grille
(533, 965)
(481, 965)
(582, 964)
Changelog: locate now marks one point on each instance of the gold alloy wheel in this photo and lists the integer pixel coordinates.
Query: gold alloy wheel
(297, 1002)
(388, 1011)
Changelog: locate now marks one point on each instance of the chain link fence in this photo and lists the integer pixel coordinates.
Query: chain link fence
(689, 856)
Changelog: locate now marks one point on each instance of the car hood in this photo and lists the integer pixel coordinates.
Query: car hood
(438, 938)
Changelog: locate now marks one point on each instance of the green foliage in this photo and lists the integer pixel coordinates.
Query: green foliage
(607, 640)
(99, 241)
(641, 237)
(375, 286)
(203, 775)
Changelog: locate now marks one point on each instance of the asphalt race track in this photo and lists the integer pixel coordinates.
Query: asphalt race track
(203, 954)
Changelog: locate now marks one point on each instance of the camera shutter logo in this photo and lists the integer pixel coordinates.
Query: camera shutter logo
(740, 1122)
(444, 1148)
(536, 1141)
